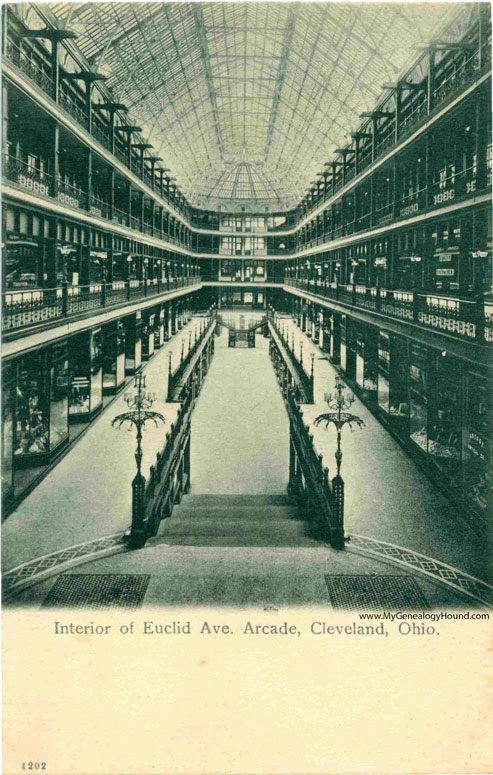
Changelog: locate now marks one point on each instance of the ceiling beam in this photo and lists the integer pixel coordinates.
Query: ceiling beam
(198, 15)
(287, 43)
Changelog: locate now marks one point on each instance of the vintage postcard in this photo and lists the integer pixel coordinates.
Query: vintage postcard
(247, 349)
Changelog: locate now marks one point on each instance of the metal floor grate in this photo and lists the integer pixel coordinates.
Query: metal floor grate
(97, 591)
(375, 593)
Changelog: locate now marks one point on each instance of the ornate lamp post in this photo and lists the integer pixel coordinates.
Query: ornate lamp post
(139, 413)
(340, 417)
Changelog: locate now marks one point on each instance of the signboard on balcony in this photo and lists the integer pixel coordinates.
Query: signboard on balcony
(445, 272)
(409, 209)
(444, 196)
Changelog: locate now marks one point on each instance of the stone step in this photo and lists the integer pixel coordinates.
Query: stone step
(244, 501)
(226, 532)
(236, 513)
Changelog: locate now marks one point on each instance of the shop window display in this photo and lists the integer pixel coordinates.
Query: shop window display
(22, 264)
(113, 356)
(393, 379)
(59, 375)
(478, 448)
(31, 439)
(418, 395)
(133, 342)
(366, 348)
(384, 372)
(86, 388)
(343, 351)
(8, 397)
(444, 418)
(96, 368)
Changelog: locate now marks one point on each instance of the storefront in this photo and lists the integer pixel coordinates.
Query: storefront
(8, 404)
(23, 263)
(445, 414)
(366, 346)
(148, 322)
(113, 356)
(41, 406)
(159, 329)
(86, 375)
(133, 343)
(239, 297)
(419, 375)
(393, 370)
(478, 446)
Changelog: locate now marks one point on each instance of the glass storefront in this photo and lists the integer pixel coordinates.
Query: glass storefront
(59, 376)
(113, 356)
(31, 436)
(230, 270)
(86, 375)
(22, 264)
(418, 396)
(384, 372)
(478, 447)
(133, 342)
(343, 348)
(148, 336)
(8, 398)
(366, 348)
(444, 416)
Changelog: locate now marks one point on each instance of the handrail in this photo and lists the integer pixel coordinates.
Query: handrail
(288, 363)
(27, 307)
(468, 319)
(169, 477)
(179, 377)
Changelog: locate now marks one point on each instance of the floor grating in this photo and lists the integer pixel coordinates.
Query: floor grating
(377, 593)
(97, 591)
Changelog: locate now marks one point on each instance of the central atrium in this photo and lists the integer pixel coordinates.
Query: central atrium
(256, 237)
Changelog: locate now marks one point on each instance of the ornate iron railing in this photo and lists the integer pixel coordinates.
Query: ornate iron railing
(25, 175)
(469, 319)
(24, 308)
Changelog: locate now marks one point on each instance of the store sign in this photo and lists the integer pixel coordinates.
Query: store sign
(445, 272)
(444, 196)
(410, 209)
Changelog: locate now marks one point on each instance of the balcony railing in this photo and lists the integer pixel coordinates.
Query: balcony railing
(468, 319)
(24, 308)
(25, 175)
(39, 72)
(34, 69)
(71, 106)
(71, 195)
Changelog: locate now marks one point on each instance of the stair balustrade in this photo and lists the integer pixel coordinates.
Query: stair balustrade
(321, 499)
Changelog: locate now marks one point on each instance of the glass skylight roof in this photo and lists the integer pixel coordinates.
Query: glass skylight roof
(249, 99)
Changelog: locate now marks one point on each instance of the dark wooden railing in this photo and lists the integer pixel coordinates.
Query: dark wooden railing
(289, 368)
(169, 480)
(191, 369)
(169, 477)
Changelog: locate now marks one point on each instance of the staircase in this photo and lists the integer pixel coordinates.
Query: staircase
(236, 520)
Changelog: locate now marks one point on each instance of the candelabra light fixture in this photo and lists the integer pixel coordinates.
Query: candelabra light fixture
(139, 414)
(340, 417)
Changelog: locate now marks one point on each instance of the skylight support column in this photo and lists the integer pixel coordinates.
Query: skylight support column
(431, 80)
